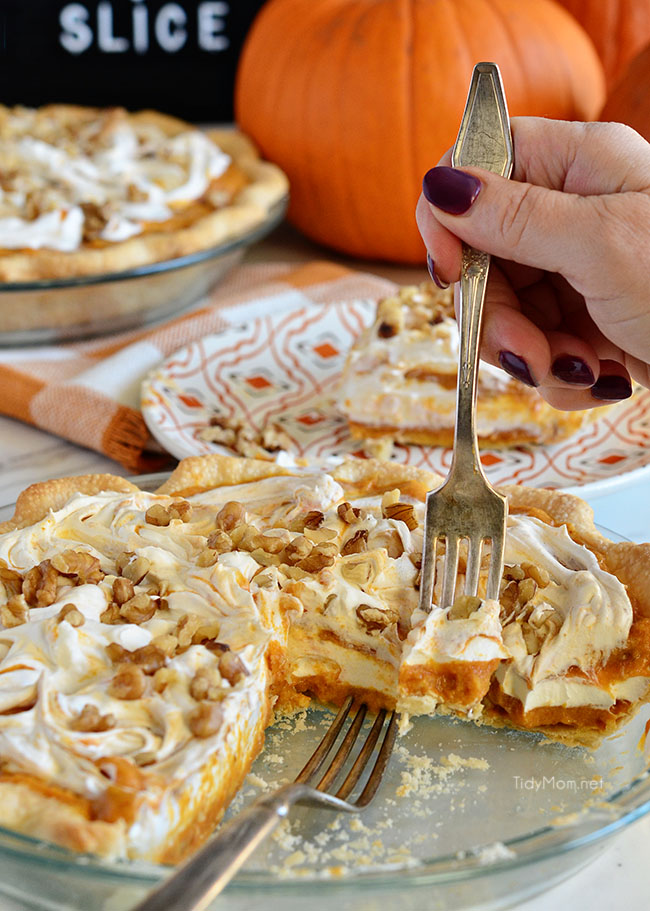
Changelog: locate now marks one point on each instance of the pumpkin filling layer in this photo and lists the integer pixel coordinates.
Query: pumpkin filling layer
(146, 638)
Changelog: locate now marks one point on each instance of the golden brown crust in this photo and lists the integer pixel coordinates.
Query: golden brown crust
(36, 501)
(266, 185)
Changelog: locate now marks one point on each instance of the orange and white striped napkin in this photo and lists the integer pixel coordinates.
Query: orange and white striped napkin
(89, 392)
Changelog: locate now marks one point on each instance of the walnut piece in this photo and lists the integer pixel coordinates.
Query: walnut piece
(403, 512)
(14, 612)
(91, 720)
(220, 542)
(128, 683)
(356, 544)
(230, 515)
(463, 607)
(375, 619)
(71, 614)
(348, 513)
(158, 515)
(206, 684)
(231, 667)
(40, 585)
(206, 719)
(79, 564)
(132, 567)
(138, 609)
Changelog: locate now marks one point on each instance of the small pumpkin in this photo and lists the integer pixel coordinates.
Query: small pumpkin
(629, 101)
(356, 99)
(618, 29)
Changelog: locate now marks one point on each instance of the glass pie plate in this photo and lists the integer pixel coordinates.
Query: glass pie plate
(467, 817)
(63, 310)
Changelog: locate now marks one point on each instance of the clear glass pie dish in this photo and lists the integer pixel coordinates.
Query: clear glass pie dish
(62, 310)
(467, 817)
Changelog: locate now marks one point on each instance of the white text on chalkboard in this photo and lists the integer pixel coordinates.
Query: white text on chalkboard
(166, 29)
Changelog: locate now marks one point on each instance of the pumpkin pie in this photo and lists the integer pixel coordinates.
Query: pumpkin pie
(148, 637)
(89, 191)
(399, 382)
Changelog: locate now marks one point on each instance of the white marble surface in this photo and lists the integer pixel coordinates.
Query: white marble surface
(619, 877)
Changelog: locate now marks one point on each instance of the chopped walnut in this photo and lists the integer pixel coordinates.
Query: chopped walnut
(123, 590)
(158, 515)
(264, 558)
(219, 541)
(95, 220)
(207, 631)
(167, 643)
(186, 627)
(356, 544)
(313, 519)
(231, 667)
(128, 683)
(230, 515)
(14, 612)
(297, 549)
(162, 678)
(463, 607)
(40, 585)
(83, 565)
(390, 317)
(207, 557)
(111, 614)
(12, 580)
(375, 619)
(71, 614)
(206, 719)
(207, 684)
(138, 609)
(319, 558)
(181, 509)
(90, 720)
(133, 568)
(537, 573)
(403, 512)
(243, 536)
(348, 513)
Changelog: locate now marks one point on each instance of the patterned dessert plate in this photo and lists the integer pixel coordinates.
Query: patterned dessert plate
(275, 377)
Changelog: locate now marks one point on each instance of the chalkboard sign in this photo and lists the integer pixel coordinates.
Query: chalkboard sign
(179, 57)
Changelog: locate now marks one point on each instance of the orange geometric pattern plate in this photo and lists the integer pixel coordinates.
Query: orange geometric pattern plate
(285, 368)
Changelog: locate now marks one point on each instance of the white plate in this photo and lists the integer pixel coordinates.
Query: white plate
(285, 367)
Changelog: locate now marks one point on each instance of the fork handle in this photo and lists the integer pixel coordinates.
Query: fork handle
(202, 878)
(473, 281)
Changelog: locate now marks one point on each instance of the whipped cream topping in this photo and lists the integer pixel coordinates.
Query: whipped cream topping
(131, 174)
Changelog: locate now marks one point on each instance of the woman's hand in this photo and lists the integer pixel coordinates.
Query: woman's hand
(568, 300)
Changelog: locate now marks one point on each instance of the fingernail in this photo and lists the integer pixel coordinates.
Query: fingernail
(451, 190)
(612, 388)
(517, 367)
(572, 370)
(431, 266)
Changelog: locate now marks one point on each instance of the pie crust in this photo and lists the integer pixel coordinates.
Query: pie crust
(148, 637)
(34, 184)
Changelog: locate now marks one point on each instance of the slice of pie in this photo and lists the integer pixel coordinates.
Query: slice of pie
(148, 637)
(89, 191)
(399, 382)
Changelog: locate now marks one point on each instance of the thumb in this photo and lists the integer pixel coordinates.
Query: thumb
(518, 221)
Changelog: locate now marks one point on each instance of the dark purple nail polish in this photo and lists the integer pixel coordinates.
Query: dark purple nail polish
(451, 190)
(431, 266)
(612, 388)
(572, 370)
(517, 367)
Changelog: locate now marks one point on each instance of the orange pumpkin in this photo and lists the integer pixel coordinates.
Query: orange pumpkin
(629, 102)
(356, 99)
(618, 28)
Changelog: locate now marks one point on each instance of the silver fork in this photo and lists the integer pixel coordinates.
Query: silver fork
(466, 505)
(193, 886)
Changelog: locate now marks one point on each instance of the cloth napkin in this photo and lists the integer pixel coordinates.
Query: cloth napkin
(89, 392)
